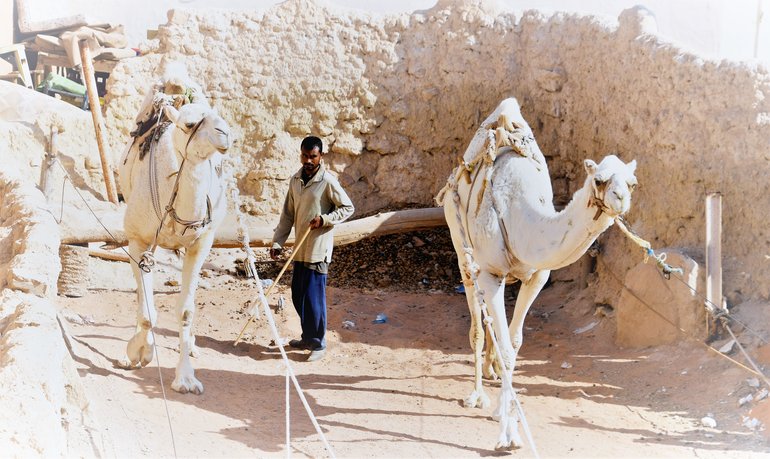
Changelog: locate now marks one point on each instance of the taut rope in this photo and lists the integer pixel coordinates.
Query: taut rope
(660, 259)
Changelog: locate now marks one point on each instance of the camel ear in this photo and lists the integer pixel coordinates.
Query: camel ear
(632, 166)
(171, 113)
(590, 166)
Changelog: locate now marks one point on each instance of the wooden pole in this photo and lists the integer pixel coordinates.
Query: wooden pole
(400, 221)
(714, 252)
(87, 67)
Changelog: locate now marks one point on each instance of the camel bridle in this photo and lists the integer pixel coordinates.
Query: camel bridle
(598, 192)
(148, 261)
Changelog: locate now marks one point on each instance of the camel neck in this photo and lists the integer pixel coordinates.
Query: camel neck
(558, 239)
(194, 185)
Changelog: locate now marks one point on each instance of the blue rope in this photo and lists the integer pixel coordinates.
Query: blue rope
(660, 260)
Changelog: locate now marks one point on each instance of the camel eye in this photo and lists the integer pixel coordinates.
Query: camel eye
(189, 125)
(632, 186)
(598, 182)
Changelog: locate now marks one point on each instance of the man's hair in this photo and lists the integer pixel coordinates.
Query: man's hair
(310, 142)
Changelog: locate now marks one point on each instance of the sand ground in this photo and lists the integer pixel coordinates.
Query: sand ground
(393, 389)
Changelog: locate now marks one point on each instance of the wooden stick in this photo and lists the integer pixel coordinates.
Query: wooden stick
(96, 113)
(275, 282)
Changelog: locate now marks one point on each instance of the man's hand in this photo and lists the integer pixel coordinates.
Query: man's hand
(275, 252)
(316, 222)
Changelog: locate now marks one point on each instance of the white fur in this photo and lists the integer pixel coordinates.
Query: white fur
(540, 240)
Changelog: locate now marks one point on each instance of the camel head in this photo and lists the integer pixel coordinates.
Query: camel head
(612, 181)
(200, 131)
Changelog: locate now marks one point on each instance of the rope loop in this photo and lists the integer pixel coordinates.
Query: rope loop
(147, 261)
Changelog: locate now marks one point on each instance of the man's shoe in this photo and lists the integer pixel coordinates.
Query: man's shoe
(299, 344)
(316, 354)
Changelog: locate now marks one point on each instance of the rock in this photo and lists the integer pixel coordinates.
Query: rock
(651, 309)
(709, 422)
(727, 347)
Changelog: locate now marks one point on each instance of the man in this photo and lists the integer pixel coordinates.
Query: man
(315, 199)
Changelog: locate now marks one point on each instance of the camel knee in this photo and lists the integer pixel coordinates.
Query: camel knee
(186, 318)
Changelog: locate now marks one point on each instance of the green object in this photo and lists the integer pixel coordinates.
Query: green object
(60, 83)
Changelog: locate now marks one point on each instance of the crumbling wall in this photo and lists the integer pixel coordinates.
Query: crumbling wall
(398, 97)
(39, 380)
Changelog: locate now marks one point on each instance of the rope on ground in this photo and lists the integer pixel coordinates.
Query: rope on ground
(287, 362)
(243, 235)
(144, 289)
(723, 317)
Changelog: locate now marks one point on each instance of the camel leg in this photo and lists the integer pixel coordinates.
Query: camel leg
(509, 435)
(140, 349)
(494, 289)
(477, 398)
(527, 294)
(491, 367)
(185, 380)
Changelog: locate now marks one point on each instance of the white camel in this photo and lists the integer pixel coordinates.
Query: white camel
(498, 206)
(171, 179)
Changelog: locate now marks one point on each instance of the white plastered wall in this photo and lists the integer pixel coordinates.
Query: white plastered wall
(397, 98)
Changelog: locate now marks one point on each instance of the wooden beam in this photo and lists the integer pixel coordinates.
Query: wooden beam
(400, 221)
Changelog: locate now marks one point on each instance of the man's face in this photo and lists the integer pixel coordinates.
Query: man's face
(310, 159)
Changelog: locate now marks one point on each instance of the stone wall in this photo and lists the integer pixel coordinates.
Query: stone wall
(398, 97)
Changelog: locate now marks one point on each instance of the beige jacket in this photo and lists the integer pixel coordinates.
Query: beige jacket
(322, 196)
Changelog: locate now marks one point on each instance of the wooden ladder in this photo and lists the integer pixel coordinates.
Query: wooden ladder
(20, 63)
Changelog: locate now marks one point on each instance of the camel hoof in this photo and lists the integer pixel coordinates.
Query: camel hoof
(127, 364)
(506, 446)
(490, 374)
(477, 400)
(188, 384)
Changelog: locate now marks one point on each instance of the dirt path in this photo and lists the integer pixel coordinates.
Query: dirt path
(394, 389)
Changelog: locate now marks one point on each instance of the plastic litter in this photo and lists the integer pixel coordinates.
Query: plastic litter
(348, 324)
(460, 289)
(586, 328)
(380, 319)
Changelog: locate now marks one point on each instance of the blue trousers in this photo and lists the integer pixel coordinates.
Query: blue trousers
(308, 292)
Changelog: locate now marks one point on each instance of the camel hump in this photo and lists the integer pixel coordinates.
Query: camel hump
(504, 130)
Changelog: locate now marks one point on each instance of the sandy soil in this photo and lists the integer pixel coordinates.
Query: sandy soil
(394, 389)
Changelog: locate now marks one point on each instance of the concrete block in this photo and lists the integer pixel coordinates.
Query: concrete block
(652, 310)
